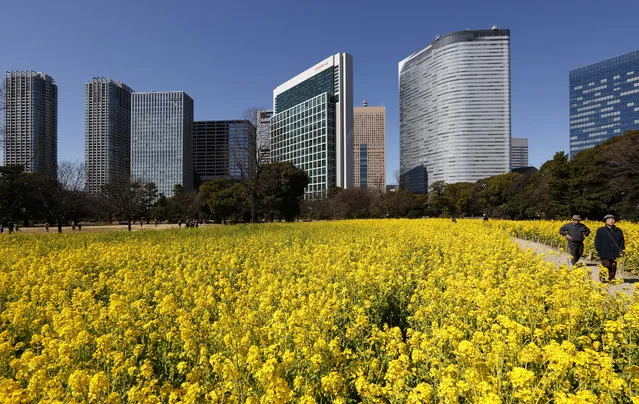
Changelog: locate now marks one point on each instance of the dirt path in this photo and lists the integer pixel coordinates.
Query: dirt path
(563, 258)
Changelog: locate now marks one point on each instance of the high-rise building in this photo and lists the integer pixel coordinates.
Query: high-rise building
(107, 133)
(162, 139)
(519, 153)
(221, 150)
(454, 109)
(604, 101)
(263, 141)
(31, 122)
(312, 124)
(369, 162)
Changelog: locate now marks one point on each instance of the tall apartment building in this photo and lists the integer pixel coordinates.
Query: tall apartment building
(221, 150)
(107, 133)
(604, 101)
(31, 122)
(454, 108)
(369, 159)
(162, 139)
(263, 141)
(519, 153)
(312, 124)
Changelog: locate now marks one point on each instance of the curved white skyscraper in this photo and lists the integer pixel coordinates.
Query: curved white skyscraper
(454, 107)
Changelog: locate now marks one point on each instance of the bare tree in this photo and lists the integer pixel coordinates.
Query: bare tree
(255, 153)
(62, 197)
(126, 198)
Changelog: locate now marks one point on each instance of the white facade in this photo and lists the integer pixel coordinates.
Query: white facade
(162, 139)
(454, 100)
(312, 125)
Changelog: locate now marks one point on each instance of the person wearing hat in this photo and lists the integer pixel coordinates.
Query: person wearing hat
(575, 232)
(610, 245)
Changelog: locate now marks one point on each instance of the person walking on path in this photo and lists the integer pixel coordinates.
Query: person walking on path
(610, 245)
(575, 232)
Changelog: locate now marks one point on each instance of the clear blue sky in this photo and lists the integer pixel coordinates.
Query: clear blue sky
(229, 55)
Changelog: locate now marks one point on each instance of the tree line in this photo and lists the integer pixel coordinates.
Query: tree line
(32, 198)
(600, 180)
(603, 179)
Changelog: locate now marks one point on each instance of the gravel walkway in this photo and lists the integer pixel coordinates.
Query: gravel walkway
(558, 258)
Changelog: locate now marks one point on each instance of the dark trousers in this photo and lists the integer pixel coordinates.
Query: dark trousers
(611, 266)
(576, 249)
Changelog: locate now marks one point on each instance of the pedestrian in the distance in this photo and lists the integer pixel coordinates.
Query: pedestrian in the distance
(610, 245)
(575, 232)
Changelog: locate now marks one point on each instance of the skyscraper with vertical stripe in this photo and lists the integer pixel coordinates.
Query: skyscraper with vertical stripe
(454, 107)
(107, 133)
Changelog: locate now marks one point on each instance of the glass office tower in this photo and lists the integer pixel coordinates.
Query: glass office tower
(162, 139)
(519, 153)
(221, 150)
(312, 124)
(604, 101)
(454, 109)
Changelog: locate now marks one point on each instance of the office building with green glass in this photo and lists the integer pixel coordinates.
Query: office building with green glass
(312, 124)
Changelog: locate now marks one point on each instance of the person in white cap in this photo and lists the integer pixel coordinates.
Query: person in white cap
(610, 245)
(575, 232)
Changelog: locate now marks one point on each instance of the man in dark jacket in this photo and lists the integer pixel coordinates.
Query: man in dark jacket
(575, 232)
(610, 245)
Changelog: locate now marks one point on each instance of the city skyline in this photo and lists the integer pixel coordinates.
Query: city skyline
(147, 48)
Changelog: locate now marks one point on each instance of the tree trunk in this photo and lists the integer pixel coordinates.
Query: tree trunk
(129, 223)
(59, 226)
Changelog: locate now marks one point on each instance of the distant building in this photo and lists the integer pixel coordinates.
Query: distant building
(604, 101)
(31, 122)
(454, 109)
(312, 125)
(369, 147)
(162, 139)
(518, 153)
(221, 149)
(263, 141)
(107, 133)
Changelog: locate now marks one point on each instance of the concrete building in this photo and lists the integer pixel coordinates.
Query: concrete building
(221, 150)
(31, 122)
(162, 139)
(263, 141)
(312, 124)
(604, 101)
(369, 158)
(107, 133)
(518, 153)
(454, 109)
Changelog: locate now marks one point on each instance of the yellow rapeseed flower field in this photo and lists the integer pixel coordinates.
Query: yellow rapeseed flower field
(373, 310)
